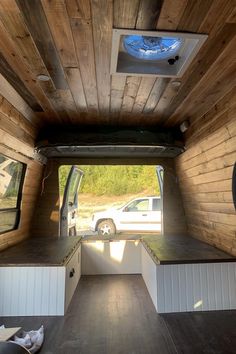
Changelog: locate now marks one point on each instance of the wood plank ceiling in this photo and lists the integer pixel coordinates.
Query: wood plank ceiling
(70, 41)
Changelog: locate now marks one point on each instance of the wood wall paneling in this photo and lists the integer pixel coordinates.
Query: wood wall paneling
(16, 82)
(205, 176)
(13, 97)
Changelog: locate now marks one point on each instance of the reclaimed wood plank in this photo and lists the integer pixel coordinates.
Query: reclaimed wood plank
(171, 13)
(59, 25)
(203, 96)
(102, 19)
(18, 85)
(78, 9)
(214, 24)
(213, 197)
(155, 95)
(17, 61)
(194, 14)
(14, 99)
(125, 13)
(16, 117)
(76, 86)
(83, 39)
(37, 24)
(117, 93)
(148, 14)
(219, 115)
(143, 93)
(130, 92)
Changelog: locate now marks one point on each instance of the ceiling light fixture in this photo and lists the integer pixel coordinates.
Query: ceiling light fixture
(176, 83)
(43, 77)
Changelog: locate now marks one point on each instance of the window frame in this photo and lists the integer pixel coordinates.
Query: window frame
(17, 208)
(234, 185)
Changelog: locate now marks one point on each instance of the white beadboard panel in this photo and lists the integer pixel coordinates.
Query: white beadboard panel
(115, 257)
(61, 284)
(52, 302)
(204, 287)
(183, 300)
(232, 285)
(37, 290)
(32, 291)
(225, 281)
(218, 286)
(149, 275)
(196, 287)
(175, 285)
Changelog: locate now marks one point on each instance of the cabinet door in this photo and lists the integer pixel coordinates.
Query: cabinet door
(73, 273)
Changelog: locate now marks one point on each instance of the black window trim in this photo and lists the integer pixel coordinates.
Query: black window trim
(17, 209)
(234, 185)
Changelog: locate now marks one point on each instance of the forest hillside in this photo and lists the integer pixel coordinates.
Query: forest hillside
(114, 180)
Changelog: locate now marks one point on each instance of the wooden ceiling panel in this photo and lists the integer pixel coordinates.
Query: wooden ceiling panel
(70, 42)
(37, 25)
(148, 14)
(171, 14)
(143, 93)
(58, 21)
(20, 52)
(102, 21)
(83, 39)
(125, 13)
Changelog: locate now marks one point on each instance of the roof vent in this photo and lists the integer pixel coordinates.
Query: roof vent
(148, 53)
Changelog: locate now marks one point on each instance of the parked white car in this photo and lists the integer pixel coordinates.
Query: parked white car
(140, 214)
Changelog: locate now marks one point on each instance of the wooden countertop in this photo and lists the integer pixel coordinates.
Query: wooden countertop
(182, 250)
(44, 251)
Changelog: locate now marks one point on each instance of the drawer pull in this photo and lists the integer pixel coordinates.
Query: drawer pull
(72, 272)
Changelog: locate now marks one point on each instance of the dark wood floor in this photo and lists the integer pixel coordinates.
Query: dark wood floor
(114, 314)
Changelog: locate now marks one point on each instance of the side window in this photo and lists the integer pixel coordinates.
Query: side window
(138, 205)
(156, 204)
(143, 205)
(11, 182)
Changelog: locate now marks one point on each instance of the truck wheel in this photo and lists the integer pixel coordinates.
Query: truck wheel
(106, 227)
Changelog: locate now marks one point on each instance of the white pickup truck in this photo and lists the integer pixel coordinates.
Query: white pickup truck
(140, 214)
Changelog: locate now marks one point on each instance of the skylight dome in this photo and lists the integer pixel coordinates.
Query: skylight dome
(151, 48)
(153, 53)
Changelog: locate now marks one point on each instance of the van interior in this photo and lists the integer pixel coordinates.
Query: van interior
(118, 83)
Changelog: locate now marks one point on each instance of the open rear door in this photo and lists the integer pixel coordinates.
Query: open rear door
(69, 208)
